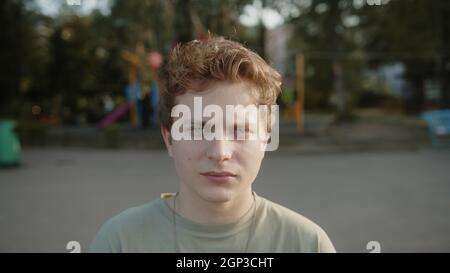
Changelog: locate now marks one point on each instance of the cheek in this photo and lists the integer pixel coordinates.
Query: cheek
(250, 156)
(186, 149)
(185, 153)
(252, 149)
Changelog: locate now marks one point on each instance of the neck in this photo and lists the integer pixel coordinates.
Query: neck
(205, 212)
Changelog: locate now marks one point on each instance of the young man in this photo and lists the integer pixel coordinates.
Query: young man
(215, 208)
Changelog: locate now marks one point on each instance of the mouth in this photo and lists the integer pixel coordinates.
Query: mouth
(219, 176)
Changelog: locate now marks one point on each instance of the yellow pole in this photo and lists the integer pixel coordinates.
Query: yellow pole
(299, 104)
(133, 65)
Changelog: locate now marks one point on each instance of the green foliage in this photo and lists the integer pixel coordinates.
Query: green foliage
(413, 32)
(52, 61)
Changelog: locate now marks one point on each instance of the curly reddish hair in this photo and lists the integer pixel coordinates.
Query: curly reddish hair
(194, 65)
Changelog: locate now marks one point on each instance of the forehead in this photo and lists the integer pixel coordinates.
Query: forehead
(221, 94)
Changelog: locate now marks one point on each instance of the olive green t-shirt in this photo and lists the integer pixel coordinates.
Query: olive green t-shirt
(268, 227)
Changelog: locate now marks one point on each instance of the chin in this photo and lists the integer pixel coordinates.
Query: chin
(217, 195)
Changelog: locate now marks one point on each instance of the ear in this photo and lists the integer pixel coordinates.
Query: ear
(167, 139)
(263, 145)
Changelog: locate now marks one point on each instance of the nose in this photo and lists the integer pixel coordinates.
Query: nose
(219, 150)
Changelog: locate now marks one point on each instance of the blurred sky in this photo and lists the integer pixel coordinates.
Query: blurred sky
(250, 17)
(51, 7)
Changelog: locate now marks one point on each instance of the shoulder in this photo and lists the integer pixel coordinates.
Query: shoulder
(289, 218)
(312, 237)
(124, 227)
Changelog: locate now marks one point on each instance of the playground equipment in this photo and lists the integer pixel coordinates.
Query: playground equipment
(295, 109)
(119, 112)
(299, 104)
(137, 92)
(132, 90)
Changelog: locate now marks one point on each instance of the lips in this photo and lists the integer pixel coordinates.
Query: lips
(219, 174)
(220, 178)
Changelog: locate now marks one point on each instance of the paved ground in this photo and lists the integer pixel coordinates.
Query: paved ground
(401, 199)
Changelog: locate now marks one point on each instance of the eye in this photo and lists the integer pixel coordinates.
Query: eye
(195, 127)
(239, 130)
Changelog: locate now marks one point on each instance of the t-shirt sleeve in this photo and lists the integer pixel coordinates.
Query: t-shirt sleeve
(106, 240)
(324, 243)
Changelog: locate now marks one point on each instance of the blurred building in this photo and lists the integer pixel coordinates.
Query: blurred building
(276, 47)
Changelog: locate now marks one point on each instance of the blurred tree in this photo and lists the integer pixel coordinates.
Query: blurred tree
(333, 57)
(221, 17)
(194, 19)
(76, 56)
(23, 55)
(149, 22)
(341, 39)
(420, 42)
(12, 13)
(184, 21)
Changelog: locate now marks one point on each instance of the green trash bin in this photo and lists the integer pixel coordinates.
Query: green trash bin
(9, 144)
